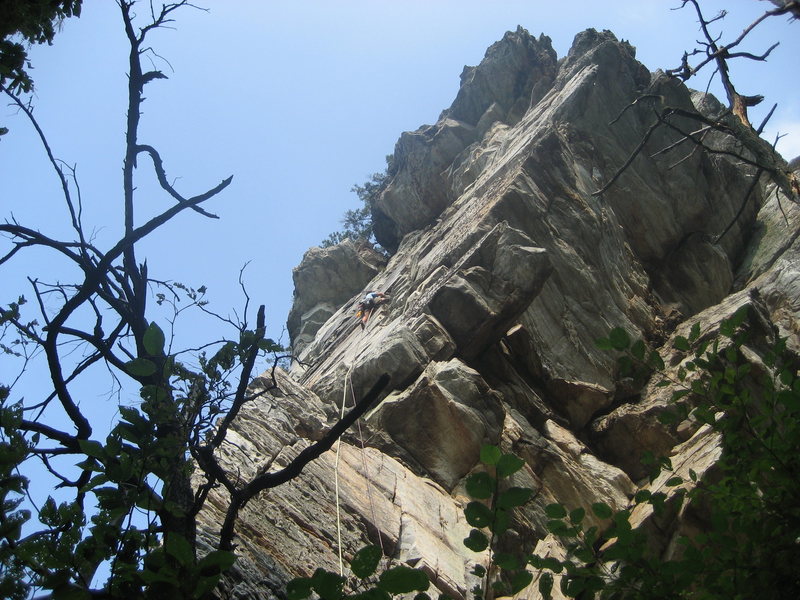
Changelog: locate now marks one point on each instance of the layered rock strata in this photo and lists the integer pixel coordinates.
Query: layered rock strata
(505, 267)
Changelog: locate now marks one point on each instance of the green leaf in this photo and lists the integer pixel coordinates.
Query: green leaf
(515, 496)
(584, 554)
(366, 561)
(299, 588)
(153, 340)
(480, 485)
(476, 541)
(604, 344)
(546, 585)
(739, 316)
(490, 454)
(655, 361)
(502, 521)
(552, 563)
(602, 510)
(619, 338)
(681, 343)
(626, 367)
(402, 580)
(133, 416)
(216, 561)
(509, 464)
(520, 581)
(478, 570)
(558, 527)
(668, 417)
(205, 585)
(506, 561)
(478, 514)
(90, 464)
(576, 516)
(66, 593)
(270, 345)
(573, 587)
(590, 536)
(140, 367)
(673, 481)
(94, 482)
(678, 394)
(695, 332)
(372, 594)
(92, 448)
(328, 585)
(500, 589)
(179, 548)
(536, 561)
(555, 511)
(638, 350)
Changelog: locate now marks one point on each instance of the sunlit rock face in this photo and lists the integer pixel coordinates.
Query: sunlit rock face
(506, 265)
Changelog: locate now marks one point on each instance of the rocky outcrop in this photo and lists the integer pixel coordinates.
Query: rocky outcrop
(516, 72)
(326, 279)
(507, 264)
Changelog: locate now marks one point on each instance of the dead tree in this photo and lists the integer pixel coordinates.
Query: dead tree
(734, 123)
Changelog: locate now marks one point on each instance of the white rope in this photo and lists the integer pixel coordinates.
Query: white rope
(366, 474)
(336, 475)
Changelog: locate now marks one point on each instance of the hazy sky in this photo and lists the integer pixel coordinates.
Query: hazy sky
(298, 100)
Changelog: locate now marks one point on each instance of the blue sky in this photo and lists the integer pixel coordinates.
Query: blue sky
(298, 100)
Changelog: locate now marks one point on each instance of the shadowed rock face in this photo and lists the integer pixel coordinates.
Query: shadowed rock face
(505, 268)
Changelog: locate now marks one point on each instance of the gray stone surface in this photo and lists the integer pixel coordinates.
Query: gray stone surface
(324, 280)
(506, 266)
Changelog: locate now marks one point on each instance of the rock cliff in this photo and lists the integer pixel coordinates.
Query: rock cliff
(505, 267)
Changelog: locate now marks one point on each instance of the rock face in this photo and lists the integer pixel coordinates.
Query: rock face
(505, 268)
(326, 279)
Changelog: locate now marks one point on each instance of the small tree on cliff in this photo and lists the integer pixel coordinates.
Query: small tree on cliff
(358, 222)
(128, 497)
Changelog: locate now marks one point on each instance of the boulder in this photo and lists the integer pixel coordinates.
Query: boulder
(496, 281)
(442, 420)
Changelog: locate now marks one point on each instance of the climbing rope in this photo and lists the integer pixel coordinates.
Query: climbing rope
(364, 466)
(336, 475)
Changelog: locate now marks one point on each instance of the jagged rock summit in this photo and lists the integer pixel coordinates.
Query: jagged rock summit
(505, 267)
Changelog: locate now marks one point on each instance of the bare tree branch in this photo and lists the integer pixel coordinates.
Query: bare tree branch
(74, 216)
(294, 468)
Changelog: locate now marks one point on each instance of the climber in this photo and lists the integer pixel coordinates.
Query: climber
(368, 304)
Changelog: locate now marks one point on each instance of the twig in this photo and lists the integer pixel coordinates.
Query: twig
(294, 468)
